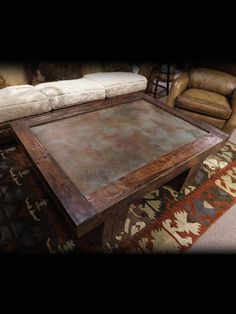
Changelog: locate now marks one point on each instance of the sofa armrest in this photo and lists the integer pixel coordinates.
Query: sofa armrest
(178, 87)
(231, 122)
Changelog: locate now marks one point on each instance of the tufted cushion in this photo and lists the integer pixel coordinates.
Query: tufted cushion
(212, 80)
(119, 83)
(205, 102)
(71, 92)
(21, 101)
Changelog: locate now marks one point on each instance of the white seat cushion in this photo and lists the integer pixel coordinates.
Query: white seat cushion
(71, 92)
(21, 101)
(119, 83)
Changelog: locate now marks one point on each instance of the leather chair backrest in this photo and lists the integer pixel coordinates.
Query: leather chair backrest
(212, 80)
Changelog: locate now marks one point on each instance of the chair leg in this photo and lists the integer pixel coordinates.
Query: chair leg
(168, 79)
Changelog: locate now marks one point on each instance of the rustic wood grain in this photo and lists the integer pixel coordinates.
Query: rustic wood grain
(77, 208)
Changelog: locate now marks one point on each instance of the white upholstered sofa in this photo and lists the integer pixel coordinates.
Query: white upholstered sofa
(26, 100)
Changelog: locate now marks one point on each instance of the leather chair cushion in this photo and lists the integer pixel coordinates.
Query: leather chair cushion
(212, 80)
(205, 102)
(218, 123)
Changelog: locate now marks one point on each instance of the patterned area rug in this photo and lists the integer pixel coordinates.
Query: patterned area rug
(164, 221)
(178, 228)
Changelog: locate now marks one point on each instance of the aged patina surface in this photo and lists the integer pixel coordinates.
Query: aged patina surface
(99, 147)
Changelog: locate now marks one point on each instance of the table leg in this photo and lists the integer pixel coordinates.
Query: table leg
(191, 174)
(106, 231)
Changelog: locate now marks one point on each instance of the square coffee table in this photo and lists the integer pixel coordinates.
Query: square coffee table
(95, 159)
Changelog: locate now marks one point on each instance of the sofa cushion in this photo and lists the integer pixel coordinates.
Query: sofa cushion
(218, 123)
(205, 102)
(21, 101)
(71, 92)
(119, 83)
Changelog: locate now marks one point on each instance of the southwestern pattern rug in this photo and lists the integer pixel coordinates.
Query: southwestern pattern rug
(164, 221)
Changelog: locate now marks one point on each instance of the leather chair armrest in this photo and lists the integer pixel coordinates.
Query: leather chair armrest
(231, 122)
(178, 87)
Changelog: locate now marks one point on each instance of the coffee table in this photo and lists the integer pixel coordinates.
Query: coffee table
(97, 158)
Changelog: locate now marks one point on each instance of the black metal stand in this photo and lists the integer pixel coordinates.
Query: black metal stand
(156, 82)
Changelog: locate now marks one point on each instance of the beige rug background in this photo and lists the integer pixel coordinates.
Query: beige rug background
(221, 236)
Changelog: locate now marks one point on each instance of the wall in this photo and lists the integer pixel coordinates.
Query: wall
(88, 68)
(14, 74)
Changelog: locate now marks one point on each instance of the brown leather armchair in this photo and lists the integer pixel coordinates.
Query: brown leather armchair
(207, 95)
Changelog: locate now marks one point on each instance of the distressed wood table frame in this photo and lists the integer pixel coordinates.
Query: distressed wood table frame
(102, 205)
